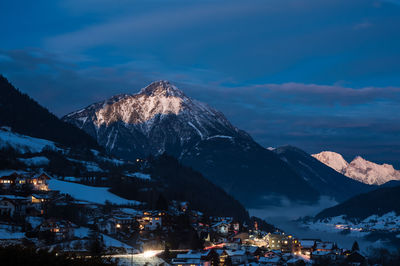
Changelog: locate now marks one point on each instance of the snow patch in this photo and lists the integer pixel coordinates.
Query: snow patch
(23, 143)
(87, 193)
(35, 161)
(139, 175)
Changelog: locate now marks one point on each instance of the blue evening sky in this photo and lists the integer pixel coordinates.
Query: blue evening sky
(320, 75)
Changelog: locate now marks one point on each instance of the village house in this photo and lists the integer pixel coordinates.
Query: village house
(40, 198)
(204, 258)
(276, 260)
(7, 207)
(8, 180)
(62, 230)
(323, 256)
(282, 242)
(150, 221)
(291, 245)
(296, 260)
(18, 179)
(307, 246)
(107, 225)
(11, 205)
(221, 228)
(356, 259)
(236, 256)
(39, 182)
(253, 252)
(325, 246)
(124, 222)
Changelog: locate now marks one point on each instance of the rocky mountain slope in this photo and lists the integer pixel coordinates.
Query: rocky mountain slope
(360, 169)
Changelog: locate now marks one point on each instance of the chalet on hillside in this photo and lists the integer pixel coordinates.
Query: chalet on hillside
(307, 246)
(11, 205)
(40, 182)
(62, 230)
(221, 227)
(196, 258)
(325, 246)
(18, 179)
(151, 220)
(356, 259)
(236, 256)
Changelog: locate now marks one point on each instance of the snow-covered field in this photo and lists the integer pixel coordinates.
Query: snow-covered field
(8, 232)
(140, 175)
(36, 161)
(88, 193)
(83, 232)
(23, 143)
(90, 166)
(389, 222)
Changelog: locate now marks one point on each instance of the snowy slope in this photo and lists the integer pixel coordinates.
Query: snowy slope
(359, 169)
(371, 173)
(87, 193)
(333, 160)
(36, 161)
(23, 143)
(388, 222)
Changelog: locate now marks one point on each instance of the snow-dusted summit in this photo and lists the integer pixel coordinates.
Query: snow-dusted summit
(333, 160)
(359, 169)
(157, 119)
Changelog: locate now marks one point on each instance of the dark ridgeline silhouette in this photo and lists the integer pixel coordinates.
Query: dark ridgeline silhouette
(24, 115)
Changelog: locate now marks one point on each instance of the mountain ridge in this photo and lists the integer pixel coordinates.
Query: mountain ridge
(30, 118)
(322, 177)
(161, 118)
(359, 169)
(138, 116)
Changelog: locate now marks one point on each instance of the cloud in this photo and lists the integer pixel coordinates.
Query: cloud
(330, 94)
(132, 28)
(362, 25)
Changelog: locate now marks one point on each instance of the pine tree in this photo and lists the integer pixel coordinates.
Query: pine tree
(96, 247)
(355, 247)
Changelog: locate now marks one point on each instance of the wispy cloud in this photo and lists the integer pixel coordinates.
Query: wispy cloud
(331, 94)
(131, 28)
(362, 25)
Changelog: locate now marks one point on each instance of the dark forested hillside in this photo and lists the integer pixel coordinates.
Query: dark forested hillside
(173, 181)
(321, 177)
(378, 202)
(24, 115)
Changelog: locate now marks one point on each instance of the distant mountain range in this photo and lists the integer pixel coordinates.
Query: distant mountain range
(359, 169)
(161, 118)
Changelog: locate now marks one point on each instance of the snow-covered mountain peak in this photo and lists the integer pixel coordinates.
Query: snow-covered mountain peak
(333, 160)
(162, 88)
(158, 115)
(360, 169)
